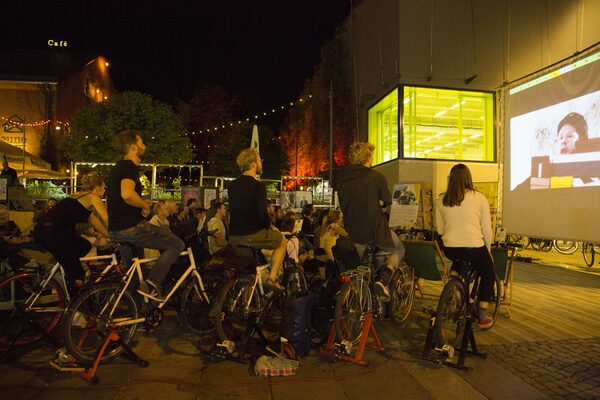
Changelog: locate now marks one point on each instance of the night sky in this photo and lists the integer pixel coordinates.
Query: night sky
(261, 51)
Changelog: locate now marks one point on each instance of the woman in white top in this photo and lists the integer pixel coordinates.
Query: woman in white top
(463, 220)
(332, 230)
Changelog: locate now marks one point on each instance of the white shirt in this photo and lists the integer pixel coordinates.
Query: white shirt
(467, 225)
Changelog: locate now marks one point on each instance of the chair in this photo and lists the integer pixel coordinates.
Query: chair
(421, 255)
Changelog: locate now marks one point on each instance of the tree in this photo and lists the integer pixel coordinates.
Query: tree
(94, 127)
(210, 107)
(306, 128)
(232, 141)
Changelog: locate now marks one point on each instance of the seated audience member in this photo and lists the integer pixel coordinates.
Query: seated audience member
(161, 215)
(193, 205)
(86, 231)
(307, 220)
(218, 240)
(318, 227)
(287, 228)
(201, 215)
(332, 230)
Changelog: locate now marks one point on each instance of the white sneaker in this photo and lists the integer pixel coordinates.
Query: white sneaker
(79, 320)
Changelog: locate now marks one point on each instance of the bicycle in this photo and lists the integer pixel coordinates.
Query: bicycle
(99, 312)
(457, 308)
(243, 306)
(566, 247)
(33, 300)
(356, 298)
(588, 251)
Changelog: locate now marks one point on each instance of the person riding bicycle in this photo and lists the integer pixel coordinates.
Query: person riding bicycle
(56, 230)
(250, 224)
(463, 221)
(127, 212)
(362, 193)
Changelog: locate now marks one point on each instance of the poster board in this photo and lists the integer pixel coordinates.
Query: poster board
(208, 194)
(189, 192)
(404, 211)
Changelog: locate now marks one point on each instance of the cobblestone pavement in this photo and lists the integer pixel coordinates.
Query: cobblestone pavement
(562, 369)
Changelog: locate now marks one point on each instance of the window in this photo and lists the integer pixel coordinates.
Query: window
(383, 128)
(448, 124)
(436, 124)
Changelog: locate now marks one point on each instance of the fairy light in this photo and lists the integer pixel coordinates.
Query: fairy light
(44, 122)
(255, 117)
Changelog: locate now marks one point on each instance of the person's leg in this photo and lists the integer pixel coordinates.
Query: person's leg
(277, 259)
(153, 237)
(485, 268)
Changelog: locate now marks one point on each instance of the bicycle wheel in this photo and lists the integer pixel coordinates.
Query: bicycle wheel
(566, 246)
(402, 295)
(541, 244)
(294, 282)
(588, 253)
(19, 325)
(450, 319)
(351, 307)
(87, 322)
(194, 312)
(237, 306)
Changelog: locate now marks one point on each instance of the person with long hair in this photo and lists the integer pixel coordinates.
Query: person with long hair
(463, 221)
(56, 230)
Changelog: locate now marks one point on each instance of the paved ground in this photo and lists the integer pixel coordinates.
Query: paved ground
(528, 370)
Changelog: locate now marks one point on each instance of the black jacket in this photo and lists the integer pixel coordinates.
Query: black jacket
(359, 191)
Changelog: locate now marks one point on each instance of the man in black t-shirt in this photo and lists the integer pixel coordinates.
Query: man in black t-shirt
(250, 224)
(127, 213)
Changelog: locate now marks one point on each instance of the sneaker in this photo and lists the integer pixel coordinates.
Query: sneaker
(150, 290)
(485, 323)
(79, 320)
(381, 291)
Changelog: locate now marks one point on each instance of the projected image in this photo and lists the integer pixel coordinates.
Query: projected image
(557, 146)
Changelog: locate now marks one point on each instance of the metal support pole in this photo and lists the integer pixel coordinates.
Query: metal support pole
(153, 187)
(24, 152)
(330, 132)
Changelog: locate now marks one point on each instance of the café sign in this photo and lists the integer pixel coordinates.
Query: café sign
(57, 43)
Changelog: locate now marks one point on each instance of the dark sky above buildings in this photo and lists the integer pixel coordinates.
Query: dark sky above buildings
(262, 50)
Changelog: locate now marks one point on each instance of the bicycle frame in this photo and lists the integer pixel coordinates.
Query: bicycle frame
(136, 269)
(32, 299)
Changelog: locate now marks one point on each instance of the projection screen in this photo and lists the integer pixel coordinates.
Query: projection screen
(552, 153)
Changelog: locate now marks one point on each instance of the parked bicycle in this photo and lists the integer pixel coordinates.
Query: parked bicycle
(589, 251)
(356, 297)
(116, 307)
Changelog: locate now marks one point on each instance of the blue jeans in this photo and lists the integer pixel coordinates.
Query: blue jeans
(146, 235)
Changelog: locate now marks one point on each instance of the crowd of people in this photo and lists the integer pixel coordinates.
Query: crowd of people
(77, 224)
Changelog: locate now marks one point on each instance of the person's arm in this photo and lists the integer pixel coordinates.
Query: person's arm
(337, 228)
(261, 206)
(99, 210)
(385, 196)
(439, 218)
(131, 197)
(98, 225)
(486, 223)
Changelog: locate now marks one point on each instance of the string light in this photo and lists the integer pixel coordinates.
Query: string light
(254, 117)
(57, 123)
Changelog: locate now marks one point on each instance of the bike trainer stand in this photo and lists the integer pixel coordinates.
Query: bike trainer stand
(342, 350)
(27, 320)
(89, 373)
(446, 354)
